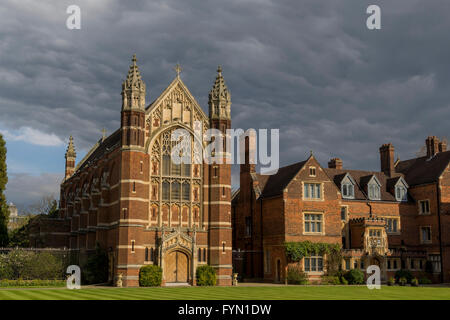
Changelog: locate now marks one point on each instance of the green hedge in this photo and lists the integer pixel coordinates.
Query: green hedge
(32, 283)
(206, 276)
(403, 274)
(330, 280)
(150, 276)
(354, 276)
(296, 276)
(29, 265)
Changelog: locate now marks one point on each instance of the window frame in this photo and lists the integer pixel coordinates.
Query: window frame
(421, 212)
(322, 223)
(306, 194)
(423, 241)
(316, 258)
(398, 224)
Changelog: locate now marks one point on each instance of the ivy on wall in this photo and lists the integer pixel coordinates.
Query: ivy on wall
(295, 251)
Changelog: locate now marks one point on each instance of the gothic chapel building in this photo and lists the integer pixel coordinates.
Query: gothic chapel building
(127, 196)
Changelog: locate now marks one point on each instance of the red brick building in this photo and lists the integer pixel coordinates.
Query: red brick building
(397, 218)
(130, 198)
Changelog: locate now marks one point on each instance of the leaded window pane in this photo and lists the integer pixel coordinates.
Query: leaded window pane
(165, 190)
(186, 191)
(176, 191)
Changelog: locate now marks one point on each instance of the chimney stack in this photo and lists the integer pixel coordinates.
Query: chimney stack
(335, 163)
(433, 146)
(387, 159)
(249, 152)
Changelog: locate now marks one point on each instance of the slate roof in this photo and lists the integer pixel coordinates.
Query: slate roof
(424, 170)
(361, 178)
(273, 185)
(102, 148)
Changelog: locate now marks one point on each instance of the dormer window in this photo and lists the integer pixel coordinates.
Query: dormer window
(374, 192)
(348, 187)
(401, 190)
(373, 189)
(401, 193)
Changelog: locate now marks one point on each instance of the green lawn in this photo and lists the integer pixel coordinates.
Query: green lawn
(238, 293)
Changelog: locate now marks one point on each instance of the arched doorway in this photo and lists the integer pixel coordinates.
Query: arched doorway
(176, 267)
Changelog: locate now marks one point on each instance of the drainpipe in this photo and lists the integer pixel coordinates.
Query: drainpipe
(438, 195)
(370, 209)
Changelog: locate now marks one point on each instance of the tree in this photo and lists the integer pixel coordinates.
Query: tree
(4, 212)
(46, 205)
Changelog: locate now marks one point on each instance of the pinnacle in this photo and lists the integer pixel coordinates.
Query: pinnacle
(70, 152)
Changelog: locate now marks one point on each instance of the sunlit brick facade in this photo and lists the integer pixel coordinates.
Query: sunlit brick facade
(396, 218)
(127, 195)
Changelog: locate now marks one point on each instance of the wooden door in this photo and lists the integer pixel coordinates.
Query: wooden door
(170, 267)
(176, 267)
(182, 267)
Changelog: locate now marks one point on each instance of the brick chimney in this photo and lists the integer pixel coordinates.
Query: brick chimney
(387, 159)
(335, 163)
(442, 146)
(432, 144)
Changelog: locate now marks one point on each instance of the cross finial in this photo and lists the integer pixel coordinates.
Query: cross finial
(219, 69)
(134, 59)
(177, 69)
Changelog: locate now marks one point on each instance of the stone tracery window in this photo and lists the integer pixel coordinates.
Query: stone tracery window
(177, 182)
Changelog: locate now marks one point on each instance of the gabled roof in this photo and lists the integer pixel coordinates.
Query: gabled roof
(361, 178)
(341, 177)
(177, 81)
(392, 182)
(424, 170)
(273, 185)
(365, 180)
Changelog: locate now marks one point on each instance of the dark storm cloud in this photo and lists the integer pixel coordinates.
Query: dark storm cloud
(310, 68)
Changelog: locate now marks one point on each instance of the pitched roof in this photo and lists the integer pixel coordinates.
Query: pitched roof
(100, 149)
(424, 170)
(362, 178)
(273, 185)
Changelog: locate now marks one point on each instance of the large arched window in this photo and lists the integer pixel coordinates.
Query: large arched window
(176, 181)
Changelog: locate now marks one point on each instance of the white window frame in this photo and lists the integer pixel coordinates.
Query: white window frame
(312, 171)
(401, 184)
(348, 181)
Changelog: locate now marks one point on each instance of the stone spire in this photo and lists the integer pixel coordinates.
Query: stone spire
(70, 159)
(219, 98)
(133, 88)
(70, 152)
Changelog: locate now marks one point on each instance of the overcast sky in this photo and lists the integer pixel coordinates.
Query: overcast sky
(310, 68)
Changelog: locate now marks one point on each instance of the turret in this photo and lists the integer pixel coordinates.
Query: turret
(70, 159)
(219, 99)
(133, 108)
(220, 186)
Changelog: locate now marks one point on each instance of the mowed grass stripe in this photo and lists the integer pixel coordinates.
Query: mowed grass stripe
(231, 293)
